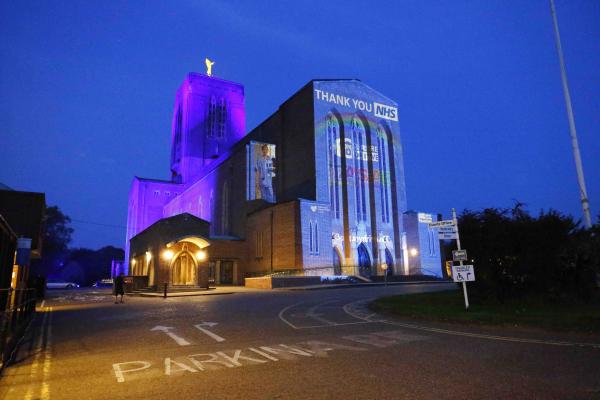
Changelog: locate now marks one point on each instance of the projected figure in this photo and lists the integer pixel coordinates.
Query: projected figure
(209, 65)
(265, 172)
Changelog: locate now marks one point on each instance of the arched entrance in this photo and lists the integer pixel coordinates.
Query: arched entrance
(184, 269)
(337, 262)
(364, 261)
(389, 260)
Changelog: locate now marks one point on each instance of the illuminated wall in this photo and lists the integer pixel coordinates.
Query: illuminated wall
(333, 148)
(208, 119)
(360, 173)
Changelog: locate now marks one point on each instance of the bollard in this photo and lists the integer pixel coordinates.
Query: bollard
(165, 292)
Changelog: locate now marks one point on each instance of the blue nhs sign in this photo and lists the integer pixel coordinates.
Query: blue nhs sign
(386, 112)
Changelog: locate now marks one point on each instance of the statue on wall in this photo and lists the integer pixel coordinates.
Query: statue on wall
(209, 65)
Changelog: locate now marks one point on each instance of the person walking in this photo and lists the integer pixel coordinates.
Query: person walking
(119, 287)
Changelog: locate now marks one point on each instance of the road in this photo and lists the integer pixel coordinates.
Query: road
(320, 344)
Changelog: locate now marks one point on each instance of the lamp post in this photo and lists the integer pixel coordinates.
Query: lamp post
(587, 219)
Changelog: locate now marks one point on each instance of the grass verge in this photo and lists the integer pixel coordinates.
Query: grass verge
(448, 306)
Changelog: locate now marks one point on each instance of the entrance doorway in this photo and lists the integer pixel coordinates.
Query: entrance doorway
(337, 262)
(226, 272)
(389, 260)
(364, 261)
(184, 269)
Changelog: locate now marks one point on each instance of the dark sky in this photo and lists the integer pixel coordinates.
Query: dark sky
(87, 91)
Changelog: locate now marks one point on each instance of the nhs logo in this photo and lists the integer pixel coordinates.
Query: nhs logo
(387, 112)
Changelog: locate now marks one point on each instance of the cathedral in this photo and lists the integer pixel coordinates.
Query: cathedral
(316, 189)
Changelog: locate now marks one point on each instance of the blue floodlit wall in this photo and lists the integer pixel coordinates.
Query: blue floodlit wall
(420, 237)
(359, 172)
(429, 250)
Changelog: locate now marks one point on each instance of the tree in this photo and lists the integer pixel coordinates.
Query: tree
(56, 239)
(57, 232)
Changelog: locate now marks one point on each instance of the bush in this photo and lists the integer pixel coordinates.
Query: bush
(517, 255)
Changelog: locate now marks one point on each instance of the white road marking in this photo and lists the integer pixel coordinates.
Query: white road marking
(347, 309)
(36, 361)
(119, 371)
(166, 329)
(45, 391)
(312, 314)
(280, 315)
(207, 332)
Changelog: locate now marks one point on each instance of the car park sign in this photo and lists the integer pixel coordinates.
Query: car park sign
(459, 255)
(463, 273)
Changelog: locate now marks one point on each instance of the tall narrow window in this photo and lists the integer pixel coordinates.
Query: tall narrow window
(258, 251)
(211, 117)
(176, 145)
(360, 168)
(225, 210)
(310, 237)
(333, 141)
(222, 119)
(384, 173)
(316, 248)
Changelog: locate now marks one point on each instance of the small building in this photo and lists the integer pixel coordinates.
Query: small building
(23, 215)
(422, 245)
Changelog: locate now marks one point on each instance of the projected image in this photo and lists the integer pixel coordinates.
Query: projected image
(261, 171)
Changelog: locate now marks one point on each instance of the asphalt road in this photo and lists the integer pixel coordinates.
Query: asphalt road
(322, 344)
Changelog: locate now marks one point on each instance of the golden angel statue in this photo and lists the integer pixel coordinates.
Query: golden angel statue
(209, 65)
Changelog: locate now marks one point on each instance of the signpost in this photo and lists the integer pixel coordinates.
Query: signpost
(448, 230)
(464, 284)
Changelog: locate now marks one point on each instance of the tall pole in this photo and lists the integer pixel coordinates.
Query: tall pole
(464, 284)
(587, 219)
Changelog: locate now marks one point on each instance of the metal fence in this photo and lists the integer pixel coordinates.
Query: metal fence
(17, 307)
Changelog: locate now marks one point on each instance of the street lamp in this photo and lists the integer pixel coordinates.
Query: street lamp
(168, 254)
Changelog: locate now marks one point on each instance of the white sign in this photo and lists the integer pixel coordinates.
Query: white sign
(459, 255)
(447, 236)
(426, 218)
(378, 109)
(447, 229)
(438, 224)
(463, 273)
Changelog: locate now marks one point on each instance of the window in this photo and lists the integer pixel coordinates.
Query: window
(310, 237)
(167, 193)
(225, 209)
(360, 156)
(384, 183)
(157, 193)
(335, 152)
(258, 250)
(216, 118)
(316, 248)
(313, 238)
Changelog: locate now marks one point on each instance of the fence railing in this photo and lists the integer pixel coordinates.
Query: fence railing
(17, 307)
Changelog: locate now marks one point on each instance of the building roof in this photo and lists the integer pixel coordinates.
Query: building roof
(24, 212)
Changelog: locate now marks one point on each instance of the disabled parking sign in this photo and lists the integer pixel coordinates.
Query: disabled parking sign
(463, 273)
